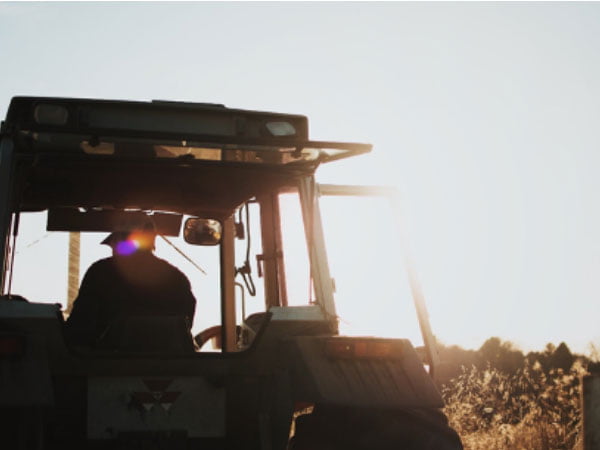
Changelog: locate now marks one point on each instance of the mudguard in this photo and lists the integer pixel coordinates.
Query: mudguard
(25, 378)
(362, 372)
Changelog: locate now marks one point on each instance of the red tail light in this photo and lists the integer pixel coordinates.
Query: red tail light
(11, 346)
(362, 348)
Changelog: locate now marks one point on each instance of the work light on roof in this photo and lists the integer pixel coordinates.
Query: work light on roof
(280, 128)
(45, 114)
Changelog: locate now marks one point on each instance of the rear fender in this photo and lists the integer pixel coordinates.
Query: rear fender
(362, 372)
(30, 331)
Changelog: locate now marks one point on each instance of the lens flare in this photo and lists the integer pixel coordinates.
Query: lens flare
(127, 247)
(143, 240)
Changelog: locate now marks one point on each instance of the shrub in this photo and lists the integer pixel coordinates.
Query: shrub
(529, 409)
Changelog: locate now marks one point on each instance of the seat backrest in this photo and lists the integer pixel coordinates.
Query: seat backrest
(148, 334)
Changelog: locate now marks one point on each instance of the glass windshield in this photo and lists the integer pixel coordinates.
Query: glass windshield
(297, 267)
(373, 297)
(295, 288)
(41, 266)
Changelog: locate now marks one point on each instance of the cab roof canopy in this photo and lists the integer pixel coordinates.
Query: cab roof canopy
(190, 158)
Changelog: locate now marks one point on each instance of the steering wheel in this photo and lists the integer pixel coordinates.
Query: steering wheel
(214, 333)
(206, 335)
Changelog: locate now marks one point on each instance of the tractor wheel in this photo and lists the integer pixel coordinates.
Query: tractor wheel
(337, 428)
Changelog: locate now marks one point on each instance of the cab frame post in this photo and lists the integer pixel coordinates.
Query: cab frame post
(315, 238)
(6, 171)
(228, 313)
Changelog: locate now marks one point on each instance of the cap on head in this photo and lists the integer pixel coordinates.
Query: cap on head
(131, 238)
(115, 237)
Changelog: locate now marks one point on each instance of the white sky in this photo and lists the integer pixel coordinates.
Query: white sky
(484, 115)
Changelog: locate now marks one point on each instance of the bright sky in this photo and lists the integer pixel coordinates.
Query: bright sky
(485, 116)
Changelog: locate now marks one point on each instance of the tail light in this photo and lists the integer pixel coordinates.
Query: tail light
(362, 348)
(11, 346)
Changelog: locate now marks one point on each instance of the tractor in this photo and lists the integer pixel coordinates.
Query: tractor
(268, 368)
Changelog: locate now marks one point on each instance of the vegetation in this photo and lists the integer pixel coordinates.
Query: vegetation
(502, 399)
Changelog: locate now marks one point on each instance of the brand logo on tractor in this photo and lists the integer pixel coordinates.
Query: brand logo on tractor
(157, 395)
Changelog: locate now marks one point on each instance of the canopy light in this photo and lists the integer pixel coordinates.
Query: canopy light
(45, 114)
(281, 128)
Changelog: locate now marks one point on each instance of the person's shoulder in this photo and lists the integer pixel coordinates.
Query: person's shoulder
(167, 264)
(98, 270)
(170, 267)
(101, 264)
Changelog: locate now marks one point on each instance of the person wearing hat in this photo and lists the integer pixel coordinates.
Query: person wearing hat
(132, 282)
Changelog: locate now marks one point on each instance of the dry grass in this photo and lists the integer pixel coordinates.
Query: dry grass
(526, 410)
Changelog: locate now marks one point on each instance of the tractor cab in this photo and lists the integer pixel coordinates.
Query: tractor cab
(264, 343)
(94, 165)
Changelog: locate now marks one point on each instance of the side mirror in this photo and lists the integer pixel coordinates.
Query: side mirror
(198, 231)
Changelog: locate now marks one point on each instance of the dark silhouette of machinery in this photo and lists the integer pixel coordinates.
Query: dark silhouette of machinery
(95, 165)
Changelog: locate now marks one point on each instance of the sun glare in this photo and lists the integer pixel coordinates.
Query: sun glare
(371, 285)
(127, 247)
